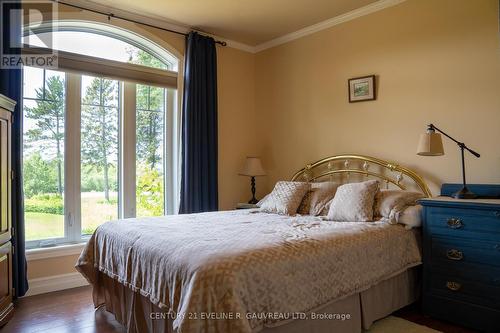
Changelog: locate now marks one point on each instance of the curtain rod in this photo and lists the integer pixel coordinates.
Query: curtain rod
(111, 15)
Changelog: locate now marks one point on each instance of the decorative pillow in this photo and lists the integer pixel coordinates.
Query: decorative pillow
(411, 217)
(317, 198)
(390, 202)
(354, 202)
(285, 197)
(261, 201)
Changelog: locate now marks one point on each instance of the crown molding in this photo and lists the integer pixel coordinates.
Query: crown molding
(7, 103)
(353, 14)
(162, 23)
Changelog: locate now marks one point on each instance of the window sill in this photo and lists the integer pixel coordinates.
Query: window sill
(54, 252)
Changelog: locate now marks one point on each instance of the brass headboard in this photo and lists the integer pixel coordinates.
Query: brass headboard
(359, 167)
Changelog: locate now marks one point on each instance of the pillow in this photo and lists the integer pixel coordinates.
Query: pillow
(354, 202)
(317, 198)
(411, 217)
(285, 198)
(261, 201)
(390, 202)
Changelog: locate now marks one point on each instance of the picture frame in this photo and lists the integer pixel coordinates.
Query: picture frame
(362, 89)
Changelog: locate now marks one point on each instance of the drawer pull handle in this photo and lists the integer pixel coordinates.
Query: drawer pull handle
(454, 286)
(454, 254)
(455, 223)
(497, 213)
(497, 247)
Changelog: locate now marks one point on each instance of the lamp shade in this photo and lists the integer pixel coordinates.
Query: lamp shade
(430, 144)
(253, 167)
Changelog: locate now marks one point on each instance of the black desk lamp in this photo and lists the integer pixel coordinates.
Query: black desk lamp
(253, 168)
(430, 144)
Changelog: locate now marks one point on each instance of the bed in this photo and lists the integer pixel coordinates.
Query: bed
(249, 271)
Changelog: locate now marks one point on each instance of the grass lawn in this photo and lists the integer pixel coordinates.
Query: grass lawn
(42, 225)
(95, 211)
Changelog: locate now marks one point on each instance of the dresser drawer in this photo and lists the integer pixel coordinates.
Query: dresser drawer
(483, 274)
(457, 251)
(454, 287)
(464, 223)
(471, 315)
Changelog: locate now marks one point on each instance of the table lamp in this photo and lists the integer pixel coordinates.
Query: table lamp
(253, 168)
(430, 144)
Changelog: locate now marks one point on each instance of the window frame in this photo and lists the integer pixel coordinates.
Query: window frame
(127, 143)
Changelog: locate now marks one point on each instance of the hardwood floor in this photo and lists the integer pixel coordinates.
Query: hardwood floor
(412, 313)
(72, 311)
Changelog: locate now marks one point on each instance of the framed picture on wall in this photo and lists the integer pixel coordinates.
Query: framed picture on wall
(362, 89)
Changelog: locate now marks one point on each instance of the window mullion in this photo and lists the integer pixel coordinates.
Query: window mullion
(127, 150)
(72, 202)
(175, 140)
(169, 146)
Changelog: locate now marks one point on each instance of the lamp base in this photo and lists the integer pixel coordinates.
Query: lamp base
(464, 193)
(253, 201)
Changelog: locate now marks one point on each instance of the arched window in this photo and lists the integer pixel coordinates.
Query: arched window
(102, 41)
(99, 131)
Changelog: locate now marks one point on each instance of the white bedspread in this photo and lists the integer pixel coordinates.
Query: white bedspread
(245, 264)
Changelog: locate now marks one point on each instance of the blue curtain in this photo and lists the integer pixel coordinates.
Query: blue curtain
(11, 86)
(199, 191)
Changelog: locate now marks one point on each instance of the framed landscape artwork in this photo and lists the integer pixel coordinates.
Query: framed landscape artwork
(362, 89)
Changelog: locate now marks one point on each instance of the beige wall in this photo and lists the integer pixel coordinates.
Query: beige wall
(237, 122)
(236, 126)
(436, 61)
(51, 266)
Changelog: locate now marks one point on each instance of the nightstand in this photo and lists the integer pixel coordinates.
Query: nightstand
(242, 205)
(461, 256)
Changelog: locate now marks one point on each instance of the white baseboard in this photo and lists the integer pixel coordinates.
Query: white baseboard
(55, 283)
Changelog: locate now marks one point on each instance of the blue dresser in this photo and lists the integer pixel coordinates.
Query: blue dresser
(461, 250)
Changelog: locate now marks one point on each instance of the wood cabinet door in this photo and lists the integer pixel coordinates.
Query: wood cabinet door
(6, 306)
(4, 176)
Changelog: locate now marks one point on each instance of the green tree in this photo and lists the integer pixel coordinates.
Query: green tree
(48, 134)
(149, 192)
(92, 182)
(100, 127)
(151, 112)
(140, 57)
(149, 122)
(39, 175)
(150, 130)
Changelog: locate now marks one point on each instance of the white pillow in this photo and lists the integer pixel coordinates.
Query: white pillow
(261, 201)
(390, 202)
(317, 200)
(285, 198)
(354, 202)
(411, 217)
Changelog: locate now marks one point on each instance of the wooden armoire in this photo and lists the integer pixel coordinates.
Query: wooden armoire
(6, 307)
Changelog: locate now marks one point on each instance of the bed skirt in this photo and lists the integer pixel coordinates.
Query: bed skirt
(351, 314)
